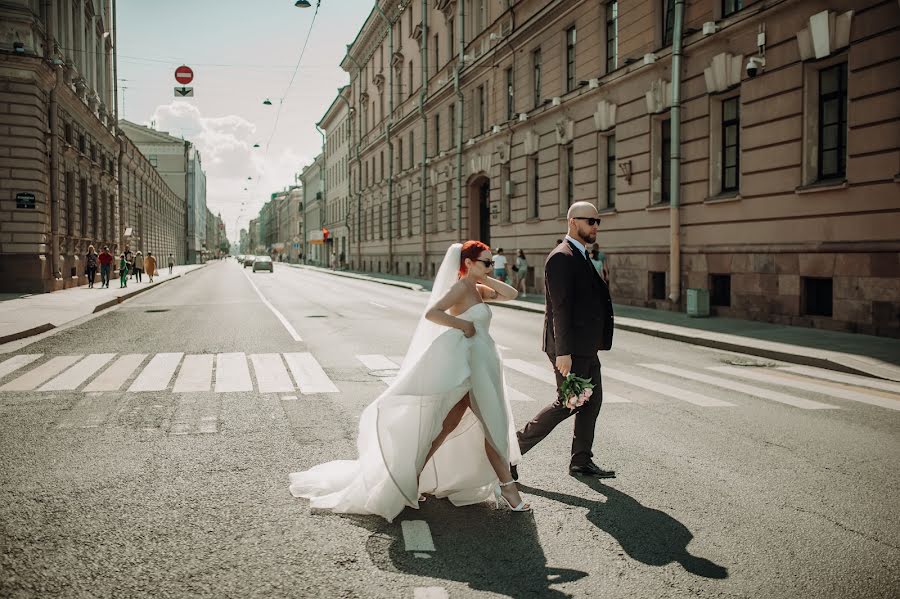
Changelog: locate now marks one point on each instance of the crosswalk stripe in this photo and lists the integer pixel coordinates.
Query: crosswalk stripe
(308, 374)
(31, 379)
(840, 377)
(797, 402)
(232, 373)
(663, 389)
(115, 376)
(157, 374)
(271, 375)
(788, 380)
(516, 395)
(17, 362)
(547, 376)
(377, 362)
(76, 375)
(195, 374)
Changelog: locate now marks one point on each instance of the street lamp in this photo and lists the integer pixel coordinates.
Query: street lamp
(267, 102)
(302, 4)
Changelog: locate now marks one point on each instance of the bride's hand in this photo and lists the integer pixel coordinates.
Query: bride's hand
(468, 329)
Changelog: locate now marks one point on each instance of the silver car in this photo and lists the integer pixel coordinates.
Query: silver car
(263, 263)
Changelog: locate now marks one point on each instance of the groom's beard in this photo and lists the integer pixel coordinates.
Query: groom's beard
(588, 236)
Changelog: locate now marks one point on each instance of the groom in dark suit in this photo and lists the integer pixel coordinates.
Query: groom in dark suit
(578, 322)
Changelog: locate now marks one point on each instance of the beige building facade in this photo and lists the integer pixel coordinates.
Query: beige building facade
(314, 245)
(338, 143)
(785, 204)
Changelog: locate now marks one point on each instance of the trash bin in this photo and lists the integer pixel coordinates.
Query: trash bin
(698, 303)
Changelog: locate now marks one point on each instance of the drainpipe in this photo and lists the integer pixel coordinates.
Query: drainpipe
(387, 135)
(322, 183)
(423, 91)
(350, 112)
(460, 18)
(55, 255)
(675, 153)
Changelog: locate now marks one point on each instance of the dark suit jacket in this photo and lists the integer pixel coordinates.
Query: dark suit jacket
(579, 317)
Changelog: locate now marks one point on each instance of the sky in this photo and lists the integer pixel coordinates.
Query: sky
(241, 53)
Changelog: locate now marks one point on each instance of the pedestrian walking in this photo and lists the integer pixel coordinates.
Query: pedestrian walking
(601, 265)
(129, 256)
(123, 272)
(90, 265)
(138, 265)
(150, 265)
(171, 263)
(500, 266)
(520, 271)
(106, 260)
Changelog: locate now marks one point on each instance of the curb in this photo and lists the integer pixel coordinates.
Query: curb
(350, 275)
(27, 333)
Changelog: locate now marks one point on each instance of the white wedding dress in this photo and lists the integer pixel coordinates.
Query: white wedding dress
(396, 431)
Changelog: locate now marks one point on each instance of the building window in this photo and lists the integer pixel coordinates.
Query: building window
(534, 187)
(451, 36)
(452, 112)
(657, 285)
(720, 290)
(437, 53)
(437, 133)
(410, 78)
(729, 7)
(611, 171)
(817, 296)
(505, 193)
(665, 154)
(833, 122)
(479, 18)
(536, 76)
(412, 149)
(510, 105)
(400, 152)
(570, 59)
(382, 165)
(154, 160)
(668, 21)
(481, 108)
(612, 36)
(731, 131)
(567, 184)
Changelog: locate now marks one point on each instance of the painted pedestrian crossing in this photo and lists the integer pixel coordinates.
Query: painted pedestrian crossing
(635, 384)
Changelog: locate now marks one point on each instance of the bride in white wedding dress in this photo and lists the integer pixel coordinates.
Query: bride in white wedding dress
(444, 427)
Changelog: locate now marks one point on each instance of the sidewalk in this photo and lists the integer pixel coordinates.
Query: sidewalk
(26, 315)
(866, 355)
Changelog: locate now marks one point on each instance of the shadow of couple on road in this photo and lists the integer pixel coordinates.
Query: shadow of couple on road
(501, 552)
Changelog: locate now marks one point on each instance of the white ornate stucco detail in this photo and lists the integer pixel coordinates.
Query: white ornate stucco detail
(565, 131)
(723, 72)
(827, 32)
(659, 96)
(532, 142)
(480, 162)
(605, 116)
(503, 152)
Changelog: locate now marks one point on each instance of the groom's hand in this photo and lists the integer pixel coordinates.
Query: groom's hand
(564, 364)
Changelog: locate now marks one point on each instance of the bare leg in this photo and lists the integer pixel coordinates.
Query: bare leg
(450, 423)
(501, 468)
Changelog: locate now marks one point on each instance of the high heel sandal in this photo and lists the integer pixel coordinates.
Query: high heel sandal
(498, 495)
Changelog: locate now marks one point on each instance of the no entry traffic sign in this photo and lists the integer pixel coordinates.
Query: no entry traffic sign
(184, 75)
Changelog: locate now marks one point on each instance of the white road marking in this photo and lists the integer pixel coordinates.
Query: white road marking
(515, 395)
(664, 389)
(31, 379)
(840, 377)
(157, 373)
(417, 535)
(17, 362)
(195, 374)
(271, 375)
(376, 304)
(308, 374)
(430, 593)
(547, 376)
(232, 373)
(278, 315)
(790, 381)
(78, 374)
(503, 347)
(115, 376)
(797, 402)
(377, 362)
(288, 397)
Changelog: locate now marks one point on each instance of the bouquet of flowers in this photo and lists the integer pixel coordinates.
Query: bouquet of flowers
(576, 391)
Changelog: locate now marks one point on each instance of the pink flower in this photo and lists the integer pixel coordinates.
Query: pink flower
(588, 392)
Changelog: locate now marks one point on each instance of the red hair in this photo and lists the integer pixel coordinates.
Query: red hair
(471, 250)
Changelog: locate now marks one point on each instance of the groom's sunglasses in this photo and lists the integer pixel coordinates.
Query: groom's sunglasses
(487, 263)
(591, 221)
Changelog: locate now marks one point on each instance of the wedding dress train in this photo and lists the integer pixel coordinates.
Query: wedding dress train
(396, 431)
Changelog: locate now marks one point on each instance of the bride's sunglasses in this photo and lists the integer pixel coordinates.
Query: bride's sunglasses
(487, 263)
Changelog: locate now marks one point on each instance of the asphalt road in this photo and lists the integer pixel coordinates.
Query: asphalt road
(723, 489)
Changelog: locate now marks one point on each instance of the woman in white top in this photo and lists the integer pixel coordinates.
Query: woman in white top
(521, 270)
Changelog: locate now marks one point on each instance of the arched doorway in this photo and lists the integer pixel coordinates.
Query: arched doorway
(479, 211)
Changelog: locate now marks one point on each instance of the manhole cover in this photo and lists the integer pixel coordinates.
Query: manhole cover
(748, 363)
(317, 316)
(156, 310)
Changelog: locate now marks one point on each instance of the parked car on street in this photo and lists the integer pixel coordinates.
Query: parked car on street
(263, 263)
(248, 261)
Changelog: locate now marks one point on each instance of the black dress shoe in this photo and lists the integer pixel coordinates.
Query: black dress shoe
(592, 469)
(514, 470)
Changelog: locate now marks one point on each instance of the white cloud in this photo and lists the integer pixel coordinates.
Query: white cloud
(228, 157)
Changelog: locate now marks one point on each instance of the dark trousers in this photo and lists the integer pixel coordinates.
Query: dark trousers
(104, 273)
(585, 416)
(91, 273)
